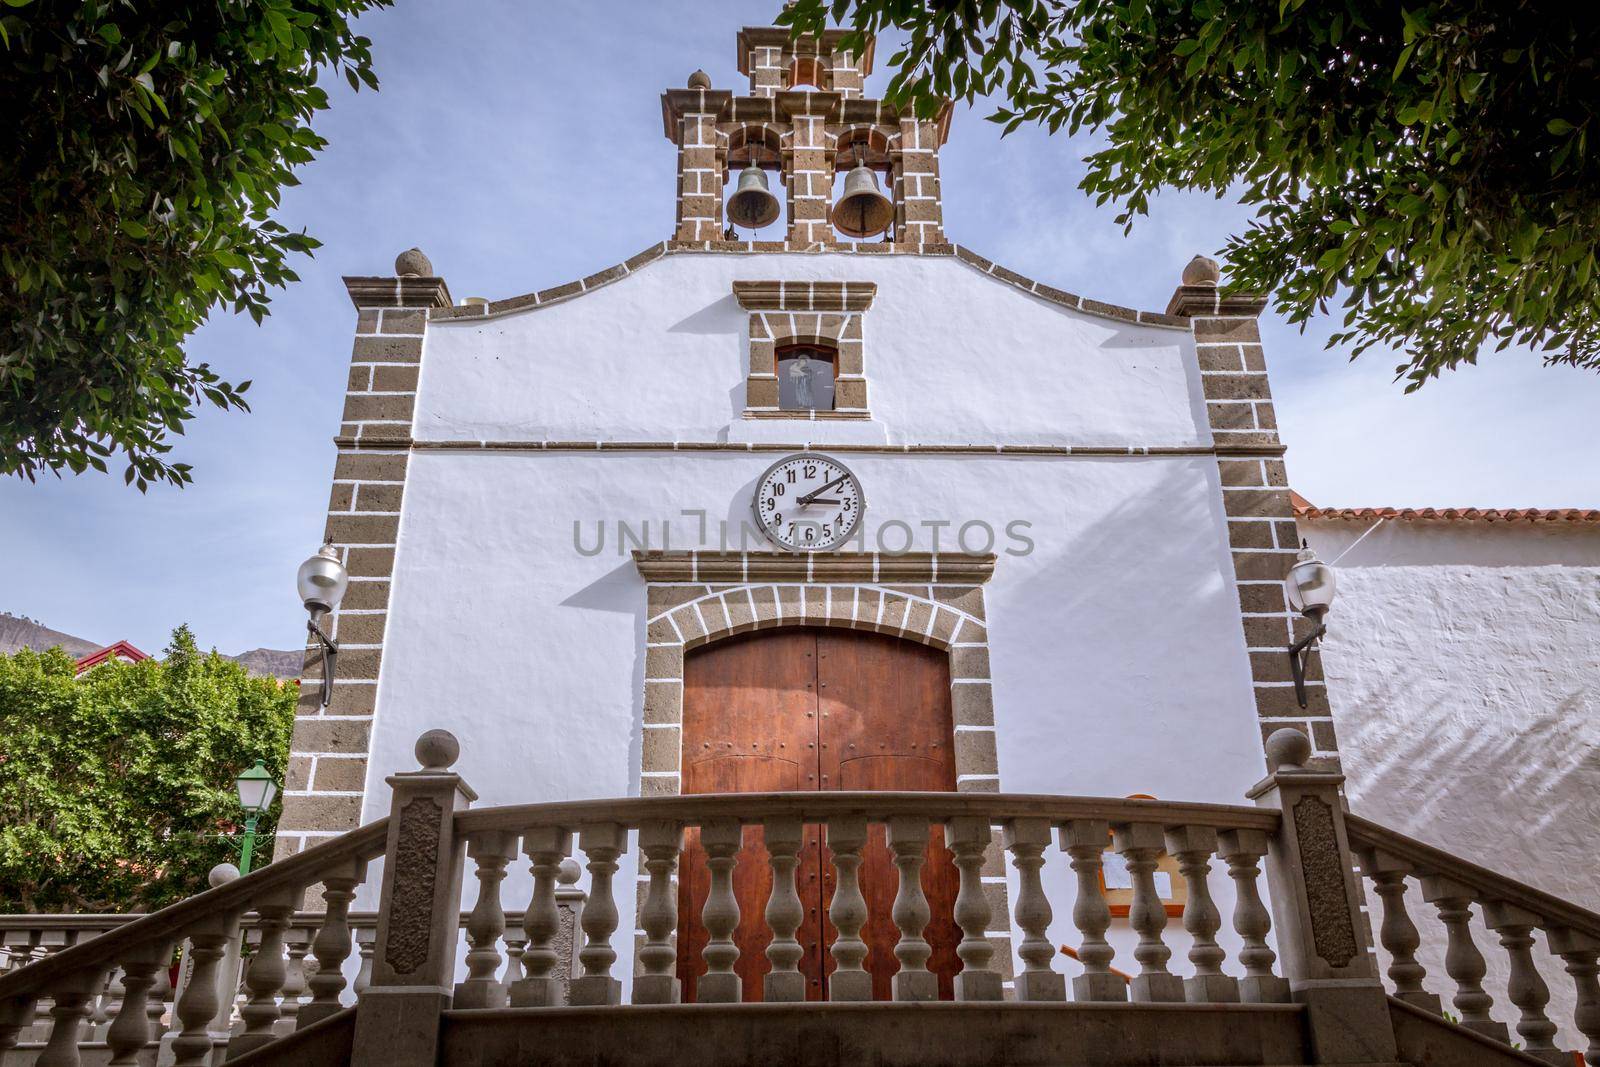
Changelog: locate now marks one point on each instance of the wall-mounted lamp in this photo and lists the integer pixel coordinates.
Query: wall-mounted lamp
(321, 582)
(1309, 587)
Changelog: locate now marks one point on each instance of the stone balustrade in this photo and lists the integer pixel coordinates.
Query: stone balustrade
(1210, 841)
(1510, 911)
(1295, 907)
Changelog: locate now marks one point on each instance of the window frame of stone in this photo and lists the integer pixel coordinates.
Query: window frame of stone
(817, 314)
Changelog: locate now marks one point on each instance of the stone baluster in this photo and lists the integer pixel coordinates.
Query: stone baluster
(103, 1006)
(266, 974)
(47, 944)
(783, 983)
(847, 836)
(296, 946)
(1580, 953)
(331, 946)
(1462, 960)
(1085, 840)
(545, 847)
(602, 844)
(1140, 846)
(130, 1029)
(160, 997)
(15, 1014)
(482, 989)
(69, 1005)
(1397, 933)
(1525, 987)
(967, 837)
(720, 915)
(1192, 847)
(198, 1003)
(366, 939)
(660, 842)
(516, 943)
(1242, 851)
(1026, 840)
(908, 840)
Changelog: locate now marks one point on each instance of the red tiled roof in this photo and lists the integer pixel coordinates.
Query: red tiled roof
(120, 650)
(1304, 509)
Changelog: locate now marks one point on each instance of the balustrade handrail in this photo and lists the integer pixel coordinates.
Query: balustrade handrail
(1490, 885)
(235, 897)
(821, 806)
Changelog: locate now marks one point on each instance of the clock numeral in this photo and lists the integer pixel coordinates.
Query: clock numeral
(790, 475)
(777, 488)
(811, 470)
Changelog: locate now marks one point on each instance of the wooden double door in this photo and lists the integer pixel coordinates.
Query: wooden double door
(801, 709)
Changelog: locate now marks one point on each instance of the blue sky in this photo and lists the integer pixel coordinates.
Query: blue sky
(520, 146)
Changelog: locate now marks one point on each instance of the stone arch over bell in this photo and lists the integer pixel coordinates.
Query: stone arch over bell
(752, 152)
(861, 207)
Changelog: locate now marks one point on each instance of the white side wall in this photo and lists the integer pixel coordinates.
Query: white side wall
(1462, 661)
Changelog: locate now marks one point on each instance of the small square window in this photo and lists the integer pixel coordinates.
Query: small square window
(806, 377)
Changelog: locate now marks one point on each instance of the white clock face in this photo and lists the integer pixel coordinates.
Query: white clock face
(809, 503)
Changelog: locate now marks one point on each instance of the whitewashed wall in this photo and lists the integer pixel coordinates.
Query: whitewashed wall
(1462, 663)
(1115, 643)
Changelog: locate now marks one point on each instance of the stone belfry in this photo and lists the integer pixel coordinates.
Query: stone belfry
(804, 120)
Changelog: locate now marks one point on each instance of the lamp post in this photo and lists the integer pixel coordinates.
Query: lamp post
(321, 582)
(256, 790)
(1309, 588)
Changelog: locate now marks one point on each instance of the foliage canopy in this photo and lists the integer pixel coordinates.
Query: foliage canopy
(1428, 161)
(149, 143)
(116, 788)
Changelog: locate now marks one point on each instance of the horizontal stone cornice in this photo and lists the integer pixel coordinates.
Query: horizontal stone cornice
(1268, 450)
(804, 296)
(1208, 301)
(957, 568)
(397, 292)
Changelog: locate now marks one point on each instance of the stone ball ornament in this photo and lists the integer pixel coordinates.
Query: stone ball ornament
(412, 263)
(1287, 750)
(221, 874)
(699, 80)
(437, 750)
(1202, 270)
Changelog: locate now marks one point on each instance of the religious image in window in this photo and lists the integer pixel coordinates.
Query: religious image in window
(805, 378)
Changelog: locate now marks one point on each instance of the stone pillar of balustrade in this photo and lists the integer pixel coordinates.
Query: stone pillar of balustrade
(413, 962)
(1316, 907)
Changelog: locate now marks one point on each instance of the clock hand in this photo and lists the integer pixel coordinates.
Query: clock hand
(809, 500)
(819, 490)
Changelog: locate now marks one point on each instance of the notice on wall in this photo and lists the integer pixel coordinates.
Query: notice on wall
(1118, 876)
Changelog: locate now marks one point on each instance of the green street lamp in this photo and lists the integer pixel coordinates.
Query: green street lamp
(256, 790)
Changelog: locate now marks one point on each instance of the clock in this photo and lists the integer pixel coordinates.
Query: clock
(809, 503)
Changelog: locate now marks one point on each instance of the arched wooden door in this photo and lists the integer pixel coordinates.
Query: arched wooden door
(799, 709)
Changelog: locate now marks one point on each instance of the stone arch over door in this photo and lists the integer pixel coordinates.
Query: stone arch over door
(696, 598)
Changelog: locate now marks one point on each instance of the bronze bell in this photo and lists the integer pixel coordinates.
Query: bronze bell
(752, 204)
(862, 211)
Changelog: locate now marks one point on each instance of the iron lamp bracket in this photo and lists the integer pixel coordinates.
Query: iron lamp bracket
(330, 657)
(1300, 652)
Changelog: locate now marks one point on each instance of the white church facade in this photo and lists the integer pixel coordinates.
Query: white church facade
(838, 510)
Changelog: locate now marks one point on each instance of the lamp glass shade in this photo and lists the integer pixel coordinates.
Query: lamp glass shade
(322, 580)
(1310, 585)
(256, 788)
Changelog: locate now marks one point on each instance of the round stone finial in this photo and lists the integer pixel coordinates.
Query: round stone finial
(1202, 270)
(568, 872)
(699, 80)
(221, 874)
(1287, 750)
(413, 264)
(437, 749)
